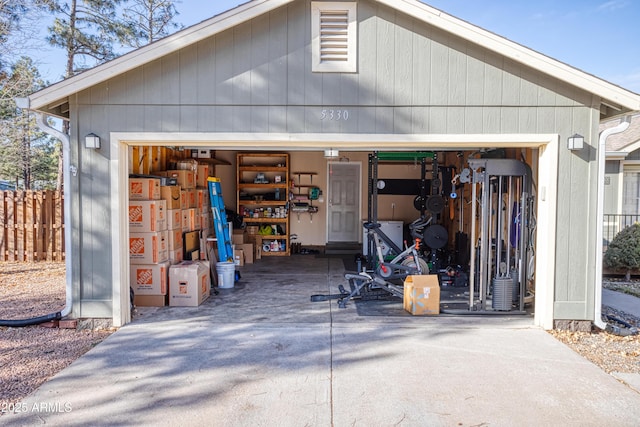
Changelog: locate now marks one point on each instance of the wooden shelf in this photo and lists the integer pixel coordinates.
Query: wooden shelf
(273, 166)
(265, 219)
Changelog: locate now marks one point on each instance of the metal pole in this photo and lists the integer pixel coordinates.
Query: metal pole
(485, 245)
(472, 240)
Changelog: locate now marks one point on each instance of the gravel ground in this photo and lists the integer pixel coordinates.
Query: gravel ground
(30, 356)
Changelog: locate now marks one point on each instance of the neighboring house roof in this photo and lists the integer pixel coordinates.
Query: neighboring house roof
(613, 96)
(625, 142)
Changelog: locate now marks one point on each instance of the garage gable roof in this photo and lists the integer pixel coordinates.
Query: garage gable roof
(613, 95)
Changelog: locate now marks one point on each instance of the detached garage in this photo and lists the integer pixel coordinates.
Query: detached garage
(353, 80)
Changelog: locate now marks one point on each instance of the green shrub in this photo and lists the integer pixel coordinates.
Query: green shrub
(624, 250)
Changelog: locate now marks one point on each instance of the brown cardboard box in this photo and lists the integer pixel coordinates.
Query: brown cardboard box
(202, 199)
(184, 199)
(144, 188)
(238, 237)
(191, 220)
(238, 257)
(146, 216)
(192, 200)
(175, 240)
(171, 193)
(186, 178)
(202, 174)
(149, 279)
(247, 250)
(189, 283)
(148, 248)
(174, 219)
(422, 294)
(150, 300)
(177, 256)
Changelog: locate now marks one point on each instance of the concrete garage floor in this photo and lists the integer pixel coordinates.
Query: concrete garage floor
(262, 354)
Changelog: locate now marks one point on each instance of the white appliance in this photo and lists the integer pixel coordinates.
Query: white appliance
(393, 229)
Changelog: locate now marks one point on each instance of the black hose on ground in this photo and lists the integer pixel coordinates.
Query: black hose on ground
(18, 323)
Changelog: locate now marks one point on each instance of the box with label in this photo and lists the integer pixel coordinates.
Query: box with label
(150, 300)
(175, 240)
(184, 199)
(238, 257)
(147, 215)
(177, 256)
(189, 283)
(149, 279)
(144, 188)
(191, 197)
(174, 219)
(422, 294)
(191, 219)
(202, 199)
(201, 175)
(171, 193)
(148, 248)
(186, 178)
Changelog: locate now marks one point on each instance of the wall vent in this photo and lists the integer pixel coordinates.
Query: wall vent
(334, 37)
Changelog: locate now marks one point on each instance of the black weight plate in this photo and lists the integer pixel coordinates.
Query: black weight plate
(435, 182)
(435, 204)
(435, 236)
(420, 203)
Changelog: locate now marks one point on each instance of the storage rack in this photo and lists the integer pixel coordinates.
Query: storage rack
(263, 197)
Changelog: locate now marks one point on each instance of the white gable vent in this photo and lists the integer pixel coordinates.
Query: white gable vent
(334, 36)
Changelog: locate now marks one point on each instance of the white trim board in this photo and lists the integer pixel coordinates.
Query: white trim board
(547, 182)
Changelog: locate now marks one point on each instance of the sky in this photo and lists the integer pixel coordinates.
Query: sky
(600, 37)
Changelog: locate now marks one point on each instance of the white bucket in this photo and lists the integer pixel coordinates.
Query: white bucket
(226, 274)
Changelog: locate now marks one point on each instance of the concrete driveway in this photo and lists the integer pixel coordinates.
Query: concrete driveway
(262, 354)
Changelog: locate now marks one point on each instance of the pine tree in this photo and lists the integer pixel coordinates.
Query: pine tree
(25, 151)
(86, 30)
(624, 251)
(152, 19)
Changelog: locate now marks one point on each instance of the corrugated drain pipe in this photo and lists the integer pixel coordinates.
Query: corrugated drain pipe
(42, 123)
(624, 124)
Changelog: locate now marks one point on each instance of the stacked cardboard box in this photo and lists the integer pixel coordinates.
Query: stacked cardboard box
(168, 224)
(189, 283)
(148, 241)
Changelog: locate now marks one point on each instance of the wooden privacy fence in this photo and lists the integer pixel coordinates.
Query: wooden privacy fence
(32, 226)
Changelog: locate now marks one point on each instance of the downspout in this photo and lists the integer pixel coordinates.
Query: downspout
(23, 103)
(624, 124)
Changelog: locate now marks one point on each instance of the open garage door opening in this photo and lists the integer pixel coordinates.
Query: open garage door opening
(476, 207)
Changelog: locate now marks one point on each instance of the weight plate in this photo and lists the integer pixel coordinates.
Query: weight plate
(435, 236)
(435, 204)
(420, 203)
(435, 182)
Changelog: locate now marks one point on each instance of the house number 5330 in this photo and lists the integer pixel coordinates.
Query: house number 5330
(334, 115)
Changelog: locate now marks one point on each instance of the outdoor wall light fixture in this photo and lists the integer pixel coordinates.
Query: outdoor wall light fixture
(331, 153)
(92, 141)
(575, 142)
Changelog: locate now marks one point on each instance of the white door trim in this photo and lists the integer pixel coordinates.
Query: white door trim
(359, 163)
(548, 145)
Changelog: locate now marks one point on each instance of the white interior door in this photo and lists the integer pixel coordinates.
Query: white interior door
(343, 201)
